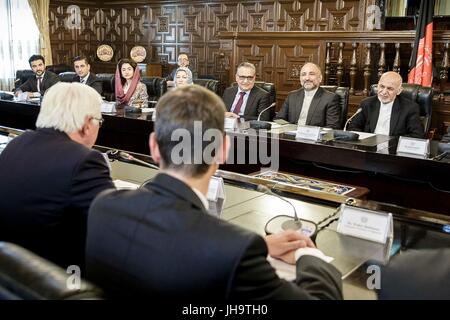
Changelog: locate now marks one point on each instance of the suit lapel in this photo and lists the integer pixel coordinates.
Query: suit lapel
(314, 103)
(250, 99)
(299, 104)
(375, 112)
(395, 115)
(229, 99)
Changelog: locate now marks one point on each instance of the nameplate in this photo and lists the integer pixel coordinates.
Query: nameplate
(365, 224)
(415, 146)
(308, 133)
(216, 189)
(231, 123)
(108, 107)
(23, 96)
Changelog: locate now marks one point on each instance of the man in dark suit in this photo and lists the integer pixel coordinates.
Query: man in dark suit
(417, 275)
(159, 241)
(388, 113)
(50, 176)
(36, 86)
(311, 105)
(246, 100)
(84, 75)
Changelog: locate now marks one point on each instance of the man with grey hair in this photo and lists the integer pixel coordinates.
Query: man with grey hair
(389, 112)
(311, 105)
(159, 241)
(50, 176)
(246, 100)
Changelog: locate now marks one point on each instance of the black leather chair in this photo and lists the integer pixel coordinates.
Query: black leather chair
(67, 76)
(22, 76)
(268, 87)
(210, 84)
(26, 276)
(108, 90)
(156, 87)
(423, 96)
(343, 93)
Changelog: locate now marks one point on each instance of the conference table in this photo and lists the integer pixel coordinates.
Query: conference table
(404, 180)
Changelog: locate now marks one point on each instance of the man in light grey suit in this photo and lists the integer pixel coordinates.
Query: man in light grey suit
(311, 105)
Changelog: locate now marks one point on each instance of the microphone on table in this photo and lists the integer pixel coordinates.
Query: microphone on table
(294, 224)
(351, 118)
(444, 151)
(129, 157)
(264, 125)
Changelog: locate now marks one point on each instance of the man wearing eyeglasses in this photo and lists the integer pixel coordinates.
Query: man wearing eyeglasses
(246, 100)
(50, 176)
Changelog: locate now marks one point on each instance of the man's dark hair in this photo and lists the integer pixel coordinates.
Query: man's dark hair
(79, 58)
(35, 57)
(178, 109)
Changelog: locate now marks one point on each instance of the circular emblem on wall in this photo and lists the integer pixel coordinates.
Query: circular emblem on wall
(105, 52)
(138, 54)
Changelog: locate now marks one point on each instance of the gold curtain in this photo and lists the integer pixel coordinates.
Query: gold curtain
(40, 9)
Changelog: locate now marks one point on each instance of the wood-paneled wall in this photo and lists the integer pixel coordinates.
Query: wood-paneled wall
(166, 28)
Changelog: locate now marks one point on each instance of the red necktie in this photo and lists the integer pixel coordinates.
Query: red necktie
(39, 83)
(238, 106)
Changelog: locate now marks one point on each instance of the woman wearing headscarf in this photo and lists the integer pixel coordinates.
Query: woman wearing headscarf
(183, 77)
(129, 89)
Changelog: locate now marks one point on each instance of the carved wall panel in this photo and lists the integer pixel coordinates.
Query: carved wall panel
(166, 28)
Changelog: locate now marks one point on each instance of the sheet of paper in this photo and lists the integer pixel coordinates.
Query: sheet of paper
(120, 184)
(364, 135)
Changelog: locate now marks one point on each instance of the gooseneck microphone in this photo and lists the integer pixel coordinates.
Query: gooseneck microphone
(295, 224)
(258, 124)
(129, 157)
(350, 119)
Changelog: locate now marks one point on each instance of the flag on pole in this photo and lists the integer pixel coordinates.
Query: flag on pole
(420, 65)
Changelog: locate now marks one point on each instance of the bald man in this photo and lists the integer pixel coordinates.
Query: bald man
(389, 113)
(311, 105)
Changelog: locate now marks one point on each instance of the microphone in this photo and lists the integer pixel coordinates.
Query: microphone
(349, 119)
(295, 224)
(129, 157)
(257, 124)
(345, 135)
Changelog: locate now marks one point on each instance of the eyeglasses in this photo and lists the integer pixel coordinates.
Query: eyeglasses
(248, 78)
(100, 121)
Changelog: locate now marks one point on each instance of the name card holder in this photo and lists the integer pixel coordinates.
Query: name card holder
(216, 195)
(308, 133)
(366, 224)
(407, 145)
(108, 107)
(230, 123)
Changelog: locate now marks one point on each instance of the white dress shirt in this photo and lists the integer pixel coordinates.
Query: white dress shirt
(244, 102)
(384, 118)
(202, 198)
(309, 95)
(85, 78)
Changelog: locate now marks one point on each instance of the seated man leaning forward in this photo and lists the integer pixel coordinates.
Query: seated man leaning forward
(50, 176)
(159, 241)
(311, 105)
(246, 100)
(388, 113)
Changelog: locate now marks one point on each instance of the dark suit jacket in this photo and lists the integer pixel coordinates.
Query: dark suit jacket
(257, 101)
(47, 184)
(159, 241)
(92, 81)
(324, 110)
(31, 84)
(405, 120)
(419, 274)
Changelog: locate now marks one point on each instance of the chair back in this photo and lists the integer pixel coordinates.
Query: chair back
(67, 76)
(210, 84)
(156, 87)
(22, 76)
(423, 96)
(108, 90)
(25, 275)
(343, 93)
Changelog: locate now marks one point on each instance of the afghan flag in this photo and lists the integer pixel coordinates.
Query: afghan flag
(420, 67)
